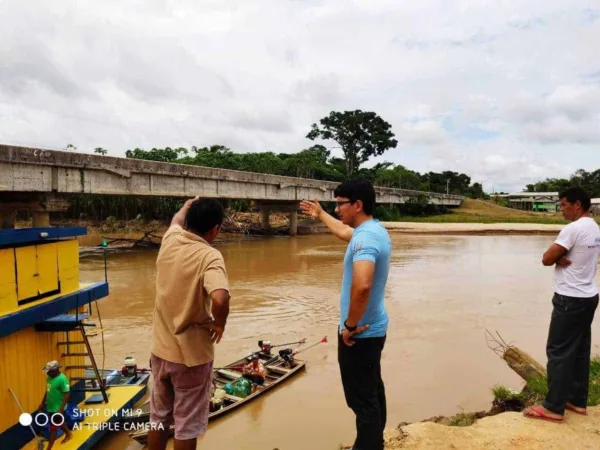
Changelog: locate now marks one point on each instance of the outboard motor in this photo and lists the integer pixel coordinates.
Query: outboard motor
(265, 346)
(287, 355)
(130, 367)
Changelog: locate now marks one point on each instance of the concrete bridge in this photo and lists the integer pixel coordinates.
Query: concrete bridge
(41, 181)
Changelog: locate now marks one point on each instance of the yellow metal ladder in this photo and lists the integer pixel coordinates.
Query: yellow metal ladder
(74, 322)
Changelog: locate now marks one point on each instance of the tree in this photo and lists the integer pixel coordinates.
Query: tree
(549, 185)
(580, 177)
(100, 151)
(309, 163)
(71, 147)
(476, 191)
(167, 154)
(452, 182)
(212, 149)
(316, 162)
(593, 183)
(360, 134)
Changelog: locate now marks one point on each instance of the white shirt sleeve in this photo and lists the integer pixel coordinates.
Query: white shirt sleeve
(567, 237)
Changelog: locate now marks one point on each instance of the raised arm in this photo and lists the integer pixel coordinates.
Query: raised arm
(314, 209)
(179, 217)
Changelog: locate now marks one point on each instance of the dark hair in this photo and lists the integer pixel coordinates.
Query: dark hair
(358, 189)
(575, 193)
(204, 214)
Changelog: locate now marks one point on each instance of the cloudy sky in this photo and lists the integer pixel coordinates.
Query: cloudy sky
(507, 91)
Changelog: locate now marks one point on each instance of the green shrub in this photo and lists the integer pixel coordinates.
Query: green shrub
(462, 419)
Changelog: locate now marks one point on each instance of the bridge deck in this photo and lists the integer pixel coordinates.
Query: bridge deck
(31, 170)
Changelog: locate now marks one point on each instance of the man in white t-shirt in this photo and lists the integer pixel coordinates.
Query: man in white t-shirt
(575, 256)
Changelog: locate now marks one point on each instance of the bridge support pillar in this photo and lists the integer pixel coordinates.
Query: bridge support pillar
(293, 222)
(290, 207)
(41, 219)
(7, 219)
(264, 218)
(39, 205)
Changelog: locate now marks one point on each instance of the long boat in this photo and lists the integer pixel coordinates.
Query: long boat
(278, 370)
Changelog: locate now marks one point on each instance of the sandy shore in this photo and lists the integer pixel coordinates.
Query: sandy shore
(504, 431)
(472, 228)
(313, 227)
(309, 226)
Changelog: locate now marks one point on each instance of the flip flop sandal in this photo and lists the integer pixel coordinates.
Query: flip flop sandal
(570, 408)
(536, 412)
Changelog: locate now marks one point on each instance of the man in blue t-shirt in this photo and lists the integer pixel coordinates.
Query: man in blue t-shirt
(363, 318)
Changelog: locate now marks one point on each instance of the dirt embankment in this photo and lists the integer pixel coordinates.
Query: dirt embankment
(472, 228)
(472, 217)
(508, 430)
(249, 223)
(234, 223)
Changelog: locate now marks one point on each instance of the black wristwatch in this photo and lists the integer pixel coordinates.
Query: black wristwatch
(349, 328)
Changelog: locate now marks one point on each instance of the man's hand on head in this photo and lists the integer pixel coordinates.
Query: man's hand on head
(189, 202)
(179, 217)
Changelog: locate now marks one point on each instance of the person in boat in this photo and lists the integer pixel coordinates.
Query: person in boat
(363, 317)
(55, 399)
(190, 313)
(574, 255)
(255, 371)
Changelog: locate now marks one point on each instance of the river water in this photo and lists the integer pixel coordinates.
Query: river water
(443, 293)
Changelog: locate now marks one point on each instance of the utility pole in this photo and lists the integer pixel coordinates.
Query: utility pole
(447, 187)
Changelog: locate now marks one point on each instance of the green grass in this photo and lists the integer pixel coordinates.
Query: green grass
(536, 390)
(462, 420)
(595, 367)
(503, 393)
(594, 392)
(474, 211)
(466, 218)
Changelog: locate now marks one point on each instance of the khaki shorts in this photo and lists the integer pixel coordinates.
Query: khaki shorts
(181, 396)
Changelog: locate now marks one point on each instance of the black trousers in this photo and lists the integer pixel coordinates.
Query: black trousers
(256, 379)
(568, 351)
(360, 367)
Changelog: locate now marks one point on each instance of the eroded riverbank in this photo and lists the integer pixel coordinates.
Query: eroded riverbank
(473, 228)
(307, 226)
(509, 430)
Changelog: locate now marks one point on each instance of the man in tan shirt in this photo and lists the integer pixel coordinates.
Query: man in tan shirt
(191, 309)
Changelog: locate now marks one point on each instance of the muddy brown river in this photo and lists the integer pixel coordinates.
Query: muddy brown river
(443, 293)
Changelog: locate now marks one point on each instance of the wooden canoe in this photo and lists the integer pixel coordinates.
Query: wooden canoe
(278, 372)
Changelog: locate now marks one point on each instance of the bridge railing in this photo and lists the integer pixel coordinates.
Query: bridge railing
(66, 172)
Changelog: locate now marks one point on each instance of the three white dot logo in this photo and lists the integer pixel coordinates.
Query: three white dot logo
(41, 419)
(25, 419)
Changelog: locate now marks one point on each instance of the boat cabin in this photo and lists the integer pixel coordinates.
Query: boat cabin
(47, 314)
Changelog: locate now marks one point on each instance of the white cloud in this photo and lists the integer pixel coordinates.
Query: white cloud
(270, 121)
(569, 114)
(424, 132)
(508, 92)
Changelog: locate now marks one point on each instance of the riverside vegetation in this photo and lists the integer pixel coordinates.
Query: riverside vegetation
(361, 136)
